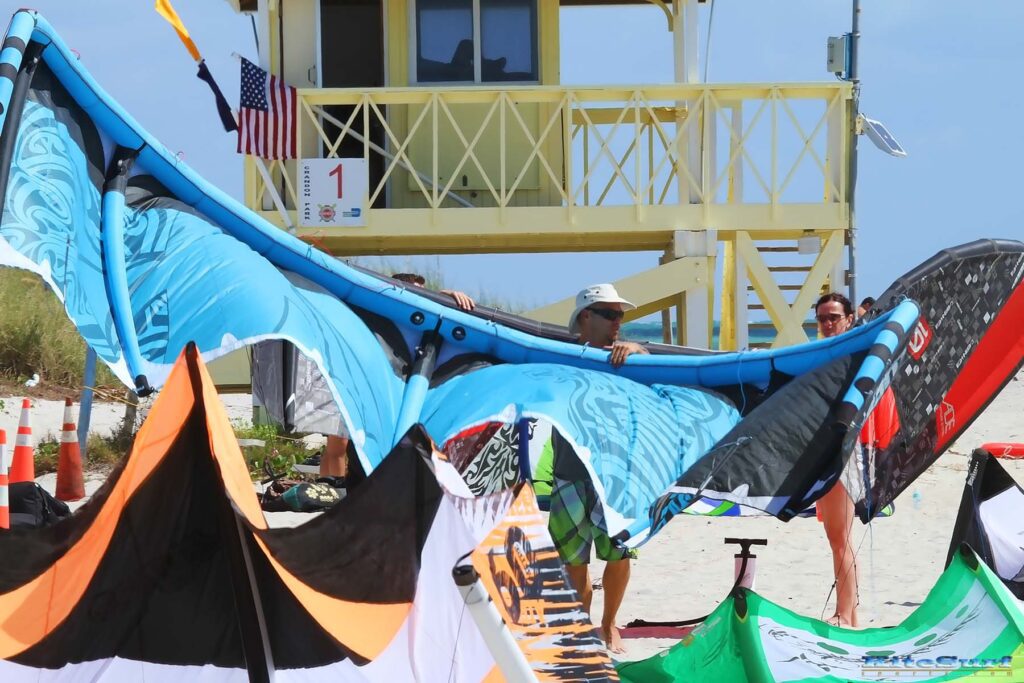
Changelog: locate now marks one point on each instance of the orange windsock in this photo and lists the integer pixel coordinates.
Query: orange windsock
(165, 10)
(70, 482)
(5, 493)
(23, 467)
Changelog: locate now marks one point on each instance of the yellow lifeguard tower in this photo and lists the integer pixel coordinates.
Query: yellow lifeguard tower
(448, 118)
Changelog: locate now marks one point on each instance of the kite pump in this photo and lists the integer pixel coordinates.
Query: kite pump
(746, 562)
(509, 657)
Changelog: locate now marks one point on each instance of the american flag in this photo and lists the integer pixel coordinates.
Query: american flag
(266, 117)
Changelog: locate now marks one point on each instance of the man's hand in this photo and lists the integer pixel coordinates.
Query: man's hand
(623, 350)
(462, 299)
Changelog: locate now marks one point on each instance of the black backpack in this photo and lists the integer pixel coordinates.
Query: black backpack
(32, 507)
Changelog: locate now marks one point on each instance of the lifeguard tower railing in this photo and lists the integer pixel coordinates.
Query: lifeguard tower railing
(550, 168)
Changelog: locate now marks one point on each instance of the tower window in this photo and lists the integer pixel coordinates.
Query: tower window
(476, 41)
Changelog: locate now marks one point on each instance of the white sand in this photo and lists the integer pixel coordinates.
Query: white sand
(685, 571)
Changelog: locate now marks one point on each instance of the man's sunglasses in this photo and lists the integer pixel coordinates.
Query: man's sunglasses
(832, 318)
(607, 313)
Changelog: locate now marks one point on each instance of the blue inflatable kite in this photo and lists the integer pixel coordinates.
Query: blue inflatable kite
(147, 257)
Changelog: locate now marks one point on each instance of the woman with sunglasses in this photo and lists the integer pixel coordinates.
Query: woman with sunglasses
(834, 313)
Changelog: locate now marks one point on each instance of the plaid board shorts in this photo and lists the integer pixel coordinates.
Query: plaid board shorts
(573, 526)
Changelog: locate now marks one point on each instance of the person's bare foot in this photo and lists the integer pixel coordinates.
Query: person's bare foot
(836, 620)
(613, 639)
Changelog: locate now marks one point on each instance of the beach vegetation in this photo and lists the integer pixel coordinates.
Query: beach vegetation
(267, 449)
(101, 455)
(36, 336)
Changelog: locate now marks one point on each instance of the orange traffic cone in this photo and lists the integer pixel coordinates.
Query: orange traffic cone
(5, 500)
(23, 467)
(70, 483)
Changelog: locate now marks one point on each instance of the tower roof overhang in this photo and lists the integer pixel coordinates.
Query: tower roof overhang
(243, 5)
(250, 5)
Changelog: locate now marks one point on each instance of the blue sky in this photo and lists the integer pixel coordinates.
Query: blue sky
(944, 76)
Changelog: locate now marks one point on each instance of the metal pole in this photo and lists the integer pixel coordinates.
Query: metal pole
(855, 112)
(85, 411)
(507, 655)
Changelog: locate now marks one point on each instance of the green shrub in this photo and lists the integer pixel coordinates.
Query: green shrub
(47, 454)
(278, 451)
(36, 335)
(103, 452)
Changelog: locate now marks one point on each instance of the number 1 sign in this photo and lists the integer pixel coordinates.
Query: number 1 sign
(332, 192)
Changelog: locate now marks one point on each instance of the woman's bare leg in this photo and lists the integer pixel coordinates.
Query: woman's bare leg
(837, 516)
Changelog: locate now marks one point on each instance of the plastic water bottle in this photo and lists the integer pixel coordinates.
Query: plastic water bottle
(917, 499)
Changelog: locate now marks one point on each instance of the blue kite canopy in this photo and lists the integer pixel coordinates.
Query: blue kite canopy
(147, 256)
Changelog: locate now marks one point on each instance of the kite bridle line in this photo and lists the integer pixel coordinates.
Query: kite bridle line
(619, 540)
(856, 553)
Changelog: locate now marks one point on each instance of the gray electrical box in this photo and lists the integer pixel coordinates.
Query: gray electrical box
(837, 54)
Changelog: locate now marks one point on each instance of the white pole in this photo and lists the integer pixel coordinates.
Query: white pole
(851, 198)
(500, 642)
(693, 331)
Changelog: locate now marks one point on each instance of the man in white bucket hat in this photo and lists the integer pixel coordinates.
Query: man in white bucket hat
(575, 522)
(597, 320)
